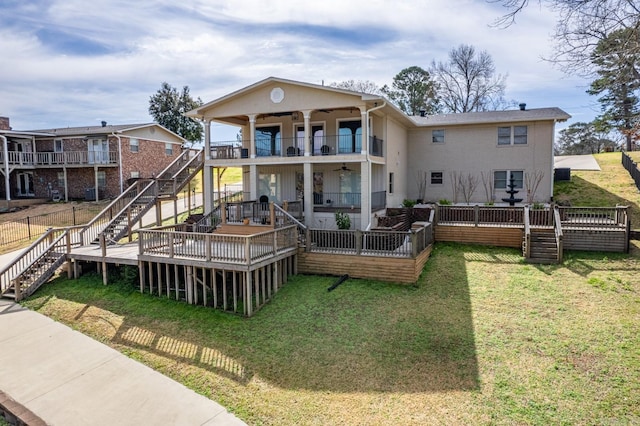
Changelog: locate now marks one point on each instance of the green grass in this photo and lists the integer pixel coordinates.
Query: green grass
(481, 339)
(606, 188)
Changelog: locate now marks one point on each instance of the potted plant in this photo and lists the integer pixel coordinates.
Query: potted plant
(343, 221)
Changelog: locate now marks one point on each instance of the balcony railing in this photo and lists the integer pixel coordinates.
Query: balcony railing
(295, 147)
(65, 158)
(349, 199)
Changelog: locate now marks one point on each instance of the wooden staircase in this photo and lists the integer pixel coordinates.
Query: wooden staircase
(37, 264)
(543, 246)
(543, 243)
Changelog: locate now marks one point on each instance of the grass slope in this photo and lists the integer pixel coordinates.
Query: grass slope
(482, 339)
(609, 187)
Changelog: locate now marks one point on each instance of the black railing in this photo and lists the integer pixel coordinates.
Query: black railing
(632, 168)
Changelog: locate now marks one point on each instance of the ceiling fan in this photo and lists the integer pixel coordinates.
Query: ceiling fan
(344, 168)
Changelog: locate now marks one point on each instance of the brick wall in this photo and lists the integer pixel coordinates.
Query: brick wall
(78, 181)
(150, 159)
(4, 123)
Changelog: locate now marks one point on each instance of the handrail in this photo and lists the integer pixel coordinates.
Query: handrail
(557, 226)
(289, 216)
(30, 255)
(527, 233)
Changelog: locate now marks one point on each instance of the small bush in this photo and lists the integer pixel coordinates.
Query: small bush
(343, 221)
(444, 202)
(408, 203)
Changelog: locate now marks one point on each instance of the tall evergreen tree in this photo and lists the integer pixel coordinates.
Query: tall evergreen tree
(413, 90)
(617, 62)
(168, 106)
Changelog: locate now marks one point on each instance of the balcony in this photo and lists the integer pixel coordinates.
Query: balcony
(295, 147)
(59, 159)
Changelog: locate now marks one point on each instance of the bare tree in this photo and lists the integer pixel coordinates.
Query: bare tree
(360, 86)
(531, 183)
(468, 81)
(455, 185)
(468, 185)
(487, 183)
(581, 25)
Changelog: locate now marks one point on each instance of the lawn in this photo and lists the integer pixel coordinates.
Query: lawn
(610, 186)
(481, 339)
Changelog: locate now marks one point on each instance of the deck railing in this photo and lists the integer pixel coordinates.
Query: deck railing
(65, 158)
(480, 215)
(594, 217)
(403, 244)
(172, 242)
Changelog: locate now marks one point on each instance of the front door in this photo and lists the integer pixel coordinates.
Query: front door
(25, 184)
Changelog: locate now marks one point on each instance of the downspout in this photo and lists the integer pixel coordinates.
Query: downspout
(369, 160)
(553, 161)
(119, 159)
(5, 148)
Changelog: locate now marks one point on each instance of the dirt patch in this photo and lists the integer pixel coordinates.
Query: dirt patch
(42, 209)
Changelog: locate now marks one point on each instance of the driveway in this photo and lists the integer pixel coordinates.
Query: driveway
(576, 162)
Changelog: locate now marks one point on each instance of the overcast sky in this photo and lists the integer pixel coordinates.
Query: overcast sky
(75, 62)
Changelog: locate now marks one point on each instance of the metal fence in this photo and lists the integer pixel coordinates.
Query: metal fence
(632, 168)
(29, 227)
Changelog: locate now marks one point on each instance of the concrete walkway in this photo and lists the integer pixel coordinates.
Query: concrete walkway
(576, 162)
(51, 374)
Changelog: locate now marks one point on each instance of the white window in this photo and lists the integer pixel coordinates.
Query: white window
(57, 145)
(60, 179)
(135, 175)
(102, 179)
(134, 145)
(515, 135)
(168, 148)
(437, 178)
(501, 178)
(437, 136)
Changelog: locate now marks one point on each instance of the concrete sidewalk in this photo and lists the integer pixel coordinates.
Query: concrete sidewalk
(55, 375)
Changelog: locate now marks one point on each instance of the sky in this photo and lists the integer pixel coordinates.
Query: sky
(76, 63)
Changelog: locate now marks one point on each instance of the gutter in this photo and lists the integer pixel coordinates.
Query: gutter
(5, 148)
(384, 103)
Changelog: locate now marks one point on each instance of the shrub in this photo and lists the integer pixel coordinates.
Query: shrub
(408, 203)
(444, 202)
(343, 221)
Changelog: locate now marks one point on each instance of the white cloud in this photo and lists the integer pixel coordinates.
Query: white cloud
(219, 46)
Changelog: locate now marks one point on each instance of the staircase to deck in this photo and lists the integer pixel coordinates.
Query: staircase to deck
(117, 220)
(542, 243)
(37, 264)
(543, 246)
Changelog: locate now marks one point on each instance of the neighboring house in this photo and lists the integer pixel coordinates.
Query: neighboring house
(308, 142)
(92, 162)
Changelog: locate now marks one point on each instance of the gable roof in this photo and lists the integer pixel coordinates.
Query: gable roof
(198, 112)
(489, 117)
(100, 130)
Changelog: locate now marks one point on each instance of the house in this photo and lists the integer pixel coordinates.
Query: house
(90, 162)
(338, 150)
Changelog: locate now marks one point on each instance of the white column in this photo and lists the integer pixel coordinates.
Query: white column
(365, 131)
(207, 139)
(308, 193)
(253, 181)
(307, 133)
(207, 172)
(252, 135)
(66, 184)
(5, 149)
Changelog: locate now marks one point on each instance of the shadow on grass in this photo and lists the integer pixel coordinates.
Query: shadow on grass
(364, 336)
(582, 193)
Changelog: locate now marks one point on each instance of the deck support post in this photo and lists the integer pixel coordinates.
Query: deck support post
(103, 248)
(224, 290)
(141, 275)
